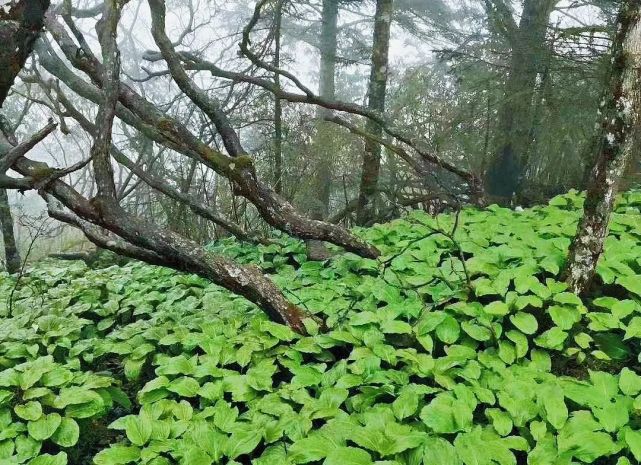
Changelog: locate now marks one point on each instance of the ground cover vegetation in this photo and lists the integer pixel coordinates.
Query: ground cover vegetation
(355, 287)
(459, 345)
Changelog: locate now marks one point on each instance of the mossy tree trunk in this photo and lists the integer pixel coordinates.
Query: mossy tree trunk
(366, 210)
(11, 254)
(620, 117)
(327, 90)
(324, 142)
(278, 108)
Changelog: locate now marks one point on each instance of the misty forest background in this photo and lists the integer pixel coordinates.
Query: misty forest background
(506, 91)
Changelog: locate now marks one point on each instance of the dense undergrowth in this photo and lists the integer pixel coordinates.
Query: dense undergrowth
(451, 349)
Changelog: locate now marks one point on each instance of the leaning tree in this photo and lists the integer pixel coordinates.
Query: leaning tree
(65, 54)
(620, 111)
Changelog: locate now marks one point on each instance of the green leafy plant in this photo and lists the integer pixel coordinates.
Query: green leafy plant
(462, 350)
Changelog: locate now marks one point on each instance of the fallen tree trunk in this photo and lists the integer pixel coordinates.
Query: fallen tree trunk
(238, 167)
(105, 222)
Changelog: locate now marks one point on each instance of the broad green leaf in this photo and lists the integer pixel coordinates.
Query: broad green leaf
(631, 283)
(552, 339)
(500, 420)
(30, 411)
(497, 308)
(612, 345)
(243, 441)
(67, 433)
(438, 451)
(396, 327)
(117, 455)
(444, 414)
(348, 456)
(564, 316)
(448, 330)
(259, 377)
(521, 343)
(633, 440)
(184, 386)
(6, 449)
(475, 331)
(406, 403)
(273, 455)
(59, 459)
(27, 447)
(179, 365)
(196, 456)
(587, 446)
(613, 415)
(482, 448)
(525, 322)
(552, 398)
(279, 331)
(605, 384)
(139, 428)
(44, 427)
(633, 330)
(308, 449)
(629, 382)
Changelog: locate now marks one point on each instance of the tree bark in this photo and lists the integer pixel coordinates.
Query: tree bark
(19, 29)
(620, 118)
(157, 183)
(324, 144)
(105, 222)
(377, 87)
(237, 167)
(11, 254)
(278, 108)
(527, 59)
(20, 26)
(185, 254)
(102, 218)
(327, 90)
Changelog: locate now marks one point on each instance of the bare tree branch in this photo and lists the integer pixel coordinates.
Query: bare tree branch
(159, 184)
(273, 208)
(9, 158)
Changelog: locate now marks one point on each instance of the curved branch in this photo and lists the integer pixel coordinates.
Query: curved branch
(244, 48)
(101, 237)
(208, 105)
(9, 158)
(156, 183)
(273, 208)
(192, 62)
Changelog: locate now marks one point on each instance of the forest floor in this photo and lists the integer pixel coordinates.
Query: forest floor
(458, 346)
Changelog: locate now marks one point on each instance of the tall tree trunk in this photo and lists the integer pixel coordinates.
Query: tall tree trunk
(278, 109)
(377, 88)
(324, 142)
(19, 28)
(620, 110)
(11, 254)
(327, 90)
(514, 135)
